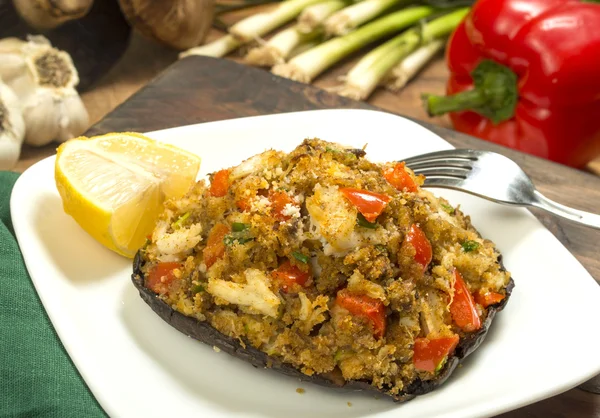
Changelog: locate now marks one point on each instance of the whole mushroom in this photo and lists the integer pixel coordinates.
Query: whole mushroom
(48, 14)
(179, 24)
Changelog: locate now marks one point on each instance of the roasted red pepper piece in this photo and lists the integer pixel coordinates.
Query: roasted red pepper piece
(486, 299)
(417, 238)
(369, 204)
(160, 276)
(365, 306)
(430, 353)
(219, 184)
(244, 204)
(535, 65)
(289, 275)
(215, 247)
(279, 200)
(463, 310)
(400, 179)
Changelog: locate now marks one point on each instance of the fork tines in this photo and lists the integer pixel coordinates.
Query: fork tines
(454, 163)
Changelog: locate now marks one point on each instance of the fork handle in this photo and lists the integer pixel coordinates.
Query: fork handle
(575, 215)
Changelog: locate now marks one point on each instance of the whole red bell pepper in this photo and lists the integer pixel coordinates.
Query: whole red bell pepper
(526, 74)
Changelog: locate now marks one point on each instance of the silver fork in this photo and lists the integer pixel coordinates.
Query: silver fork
(491, 176)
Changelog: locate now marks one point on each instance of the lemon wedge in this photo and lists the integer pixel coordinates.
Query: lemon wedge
(114, 185)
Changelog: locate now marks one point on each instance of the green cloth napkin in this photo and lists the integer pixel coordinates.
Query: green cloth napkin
(37, 377)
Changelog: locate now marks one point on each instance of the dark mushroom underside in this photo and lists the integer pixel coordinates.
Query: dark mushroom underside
(204, 332)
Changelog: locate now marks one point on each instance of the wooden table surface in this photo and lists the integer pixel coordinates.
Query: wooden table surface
(144, 60)
(199, 89)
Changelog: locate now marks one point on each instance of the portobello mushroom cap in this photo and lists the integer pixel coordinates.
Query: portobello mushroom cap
(204, 332)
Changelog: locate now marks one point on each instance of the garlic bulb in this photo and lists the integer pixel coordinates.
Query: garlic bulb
(179, 24)
(48, 14)
(44, 80)
(12, 128)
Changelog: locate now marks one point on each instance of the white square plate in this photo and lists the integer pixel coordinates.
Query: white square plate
(137, 365)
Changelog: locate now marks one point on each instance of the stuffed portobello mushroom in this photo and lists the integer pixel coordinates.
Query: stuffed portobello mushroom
(326, 267)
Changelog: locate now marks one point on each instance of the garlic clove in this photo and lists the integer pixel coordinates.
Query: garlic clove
(41, 121)
(48, 14)
(74, 119)
(10, 151)
(52, 108)
(12, 128)
(12, 61)
(48, 117)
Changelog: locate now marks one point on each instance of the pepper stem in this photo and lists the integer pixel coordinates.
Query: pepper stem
(438, 105)
(494, 96)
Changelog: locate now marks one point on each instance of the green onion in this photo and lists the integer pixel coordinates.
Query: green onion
(345, 157)
(469, 246)
(306, 66)
(260, 24)
(361, 221)
(221, 8)
(197, 289)
(440, 366)
(240, 234)
(381, 247)
(300, 257)
(179, 222)
(238, 227)
(340, 355)
(313, 16)
(364, 77)
(250, 29)
(349, 18)
(218, 48)
(279, 47)
(231, 239)
(410, 66)
(447, 208)
(303, 47)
